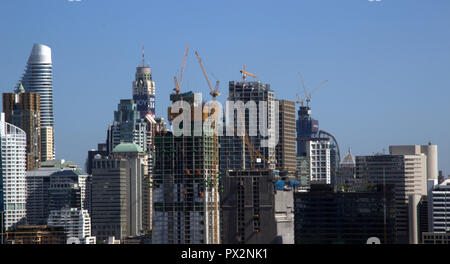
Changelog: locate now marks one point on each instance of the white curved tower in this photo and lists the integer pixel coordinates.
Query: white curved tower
(38, 78)
(12, 174)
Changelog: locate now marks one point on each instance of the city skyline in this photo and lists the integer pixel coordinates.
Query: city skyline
(403, 85)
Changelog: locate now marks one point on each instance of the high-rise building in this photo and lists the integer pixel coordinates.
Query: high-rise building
(22, 110)
(323, 216)
(185, 194)
(13, 194)
(406, 172)
(120, 193)
(235, 154)
(318, 152)
(345, 176)
(37, 186)
(67, 189)
(127, 127)
(286, 147)
(430, 151)
(248, 166)
(144, 90)
(38, 78)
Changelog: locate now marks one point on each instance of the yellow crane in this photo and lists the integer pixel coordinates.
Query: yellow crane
(245, 73)
(178, 81)
(213, 91)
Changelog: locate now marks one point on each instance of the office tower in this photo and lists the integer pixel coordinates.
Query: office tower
(430, 151)
(76, 223)
(318, 152)
(323, 216)
(185, 194)
(12, 174)
(406, 172)
(38, 78)
(22, 110)
(286, 148)
(36, 234)
(37, 187)
(67, 189)
(127, 127)
(144, 90)
(120, 193)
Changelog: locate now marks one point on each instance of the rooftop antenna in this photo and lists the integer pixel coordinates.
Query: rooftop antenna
(143, 57)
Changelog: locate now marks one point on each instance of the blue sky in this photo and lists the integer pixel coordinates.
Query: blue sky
(387, 62)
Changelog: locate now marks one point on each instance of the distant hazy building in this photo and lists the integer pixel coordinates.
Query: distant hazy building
(22, 110)
(406, 172)
(307, 127)
(323, 216)
(38, 78)
(346, 175)
(13, 194)
(120, 193)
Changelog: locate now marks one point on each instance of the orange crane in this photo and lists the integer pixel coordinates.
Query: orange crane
(245, 73)
(178, 81)
(213, 92)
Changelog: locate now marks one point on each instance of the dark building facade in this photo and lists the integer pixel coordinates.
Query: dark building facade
(323, 216)
(248, 207)
(307, 127)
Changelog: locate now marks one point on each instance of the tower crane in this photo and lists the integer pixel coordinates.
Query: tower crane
(213, 92)
(178, 81)
(308, 95)
(245, 73)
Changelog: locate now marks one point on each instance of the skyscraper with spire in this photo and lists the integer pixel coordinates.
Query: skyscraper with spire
(38, 78)
(144, 89)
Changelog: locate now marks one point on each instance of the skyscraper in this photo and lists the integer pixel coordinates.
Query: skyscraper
(120, 193)
(144, 90)
(286, 147)
(38, 78)
(12, 174)
(408, 175)
(22, 109)
(127, 127)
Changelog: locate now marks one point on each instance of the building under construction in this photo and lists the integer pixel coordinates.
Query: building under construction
(185, 182)
(248, 170)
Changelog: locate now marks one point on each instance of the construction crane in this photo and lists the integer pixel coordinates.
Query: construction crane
(245, 73)
(178, 81)
(308, 95)
(213, 92)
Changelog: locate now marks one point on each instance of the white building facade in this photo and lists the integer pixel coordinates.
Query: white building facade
(319, 160)
(12, 177)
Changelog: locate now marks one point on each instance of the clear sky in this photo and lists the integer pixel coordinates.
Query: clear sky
(388, 62)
